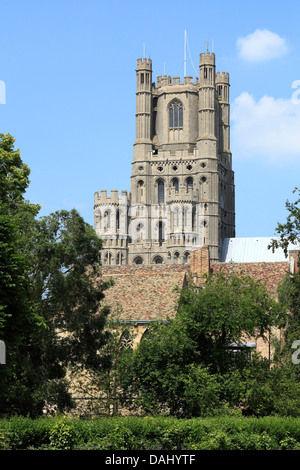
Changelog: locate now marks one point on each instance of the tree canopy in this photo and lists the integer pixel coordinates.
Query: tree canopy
(289, 232)
(50, 293)
(186, 365)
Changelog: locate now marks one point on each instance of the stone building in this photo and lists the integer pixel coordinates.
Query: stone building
(178, 220)
(182, 183)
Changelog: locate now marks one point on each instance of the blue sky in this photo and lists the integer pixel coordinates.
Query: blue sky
(67, 93)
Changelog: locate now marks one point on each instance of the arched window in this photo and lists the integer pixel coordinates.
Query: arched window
(126, 340)
(194, 220)
(176, 218)
(160, 192)
(189, 184)
(161, 234)
(107, 258)
(140, 191)
(158, 260)
(120, 258)
(139, 231)
(175, 114)
(175, 184)
(138, 260)
(106, 220)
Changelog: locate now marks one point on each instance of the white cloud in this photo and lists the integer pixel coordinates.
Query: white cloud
(261, 45)
(267, 128)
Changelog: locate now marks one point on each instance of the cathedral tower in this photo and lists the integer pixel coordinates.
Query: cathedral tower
(182, 183)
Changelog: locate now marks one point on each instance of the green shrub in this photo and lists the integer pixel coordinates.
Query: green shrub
(152, 433)
(62, 435)
(19, 432)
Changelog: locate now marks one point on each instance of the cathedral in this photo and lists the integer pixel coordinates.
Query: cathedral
(182, 183)
(177, 223)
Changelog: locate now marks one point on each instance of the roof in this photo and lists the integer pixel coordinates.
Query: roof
(251, 250)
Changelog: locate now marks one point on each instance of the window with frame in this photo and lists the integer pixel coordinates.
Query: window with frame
(161, 233)
(175, 184)
(176, 114)
(160, 192)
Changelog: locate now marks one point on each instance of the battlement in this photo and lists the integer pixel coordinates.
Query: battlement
(222, 77)
(114, 198)
(183, 195)
(144, 64)
(167, 80)
(207, 58)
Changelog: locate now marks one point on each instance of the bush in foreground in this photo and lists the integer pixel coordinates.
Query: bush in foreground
(151, 433)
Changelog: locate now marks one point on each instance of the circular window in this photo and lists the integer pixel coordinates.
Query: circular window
(160, 168)
(189, 167)
(174, 168)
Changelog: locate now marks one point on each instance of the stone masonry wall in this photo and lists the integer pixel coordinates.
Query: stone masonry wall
(143, 292)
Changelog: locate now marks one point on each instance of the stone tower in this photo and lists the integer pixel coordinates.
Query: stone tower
(182, 183)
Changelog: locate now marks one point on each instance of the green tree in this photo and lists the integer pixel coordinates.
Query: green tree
(65, 291)
(180, 366)
(155, 378)
(50, 291)
(288, 232)
(230, 309)
(14, 175)
(289, 288)
(100, 386)
(18, 318)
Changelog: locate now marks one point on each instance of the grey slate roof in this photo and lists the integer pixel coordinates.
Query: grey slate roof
(251, 250)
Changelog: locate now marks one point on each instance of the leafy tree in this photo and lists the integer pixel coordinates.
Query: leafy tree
(65, 291)
(66, 283)
(50, 290)
(158, 369)
(229, 309)
(289, 288)
(14, 174)
(100, 386)
(18, 319)
(289, 232)
(180, 366)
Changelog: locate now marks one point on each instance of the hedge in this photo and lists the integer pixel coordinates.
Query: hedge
(151, 433)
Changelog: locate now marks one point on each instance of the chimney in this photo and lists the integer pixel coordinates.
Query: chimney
(294, 260)
(200, 265)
